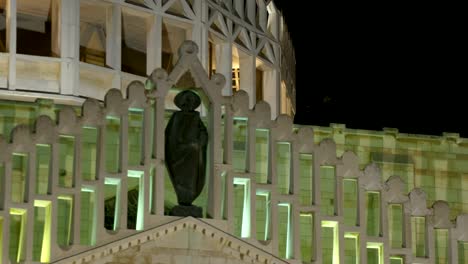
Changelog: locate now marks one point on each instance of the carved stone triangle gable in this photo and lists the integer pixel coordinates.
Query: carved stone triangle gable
(187, 240)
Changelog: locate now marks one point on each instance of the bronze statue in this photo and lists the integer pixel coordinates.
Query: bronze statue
(185, 146)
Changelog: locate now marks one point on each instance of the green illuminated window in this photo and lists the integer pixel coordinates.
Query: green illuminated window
(223, 195)
(18, 219)
(462, 252)
(112, 144)
(373, 213)
(262, 210)
(242, 207)
(374, 253)
(42, 231)
(66, 161)
(330, 243)
(239, 136)
(43, 165)
(306, 179)
(396, 260)
(64, 220)
(1, 237)
(135, 136)
(284, 231)
(19, 175)
(351, 248)
(418, 230)
(135, 197)
(327, 190)
(395, 225)
(111, 203)
(88, 217)
(152, 190)
(170, 198)
(350, 202)
(283, 166)
(262, 140)
(441, 246)
(306, 229)
(2, 186)
(89, 142)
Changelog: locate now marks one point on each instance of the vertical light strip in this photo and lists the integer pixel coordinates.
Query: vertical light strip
(112, 192)
(64, 220)
(263, 214)
(139, 176)
(285, 243)
(88, 216)
(245, 229)
(374, 253)
(352, 248)
(335, 256)
(46, 206)
(17, 233)
(441, 246)
(327, 190)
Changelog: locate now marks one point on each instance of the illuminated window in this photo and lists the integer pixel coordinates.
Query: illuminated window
(18, 218)
(307, 234)
(330, 242)
(374, 253)
(19, 176)
(351, 248)
(284, 231)
(418, 229)
(327, 190)
(64, 220)
(112, 144)
(43, 168)
(283, 166)
(135, 136)
(262, 143)
(240, 144)
(373, 213)
(242, 207)
(395, 225)
(112, 203)
(441, 246)
(88, 216)
(306, 179)
(263, 215)
(42, 230)
(135, 198)
(89, 141)
(66, 161)
(350, 202)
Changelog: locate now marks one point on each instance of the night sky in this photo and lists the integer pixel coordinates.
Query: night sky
(378, 66)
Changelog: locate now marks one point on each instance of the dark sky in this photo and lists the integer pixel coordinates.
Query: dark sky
(380, 66)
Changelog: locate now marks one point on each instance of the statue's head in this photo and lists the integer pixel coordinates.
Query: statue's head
(187, 100)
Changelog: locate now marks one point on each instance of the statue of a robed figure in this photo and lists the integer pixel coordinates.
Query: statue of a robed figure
(185, 146)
